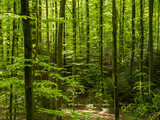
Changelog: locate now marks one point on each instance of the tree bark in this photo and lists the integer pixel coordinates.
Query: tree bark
(74, 46)
(141, 47)
(121, 38)
(150, 44)
(101, 44)
(158, 26)
(56, 32)
(59, 53)
(88, 31)
(28, 57)
(133, 37)
(114, 26)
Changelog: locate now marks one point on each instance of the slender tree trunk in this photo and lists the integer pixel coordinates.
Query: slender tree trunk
(81, 28)
(114, 23)
(28, 56)
(48, 44)
(120, 30)
(8, 60)
(74, 46)
(12, 57)
(56, 32)
(59, 53)
(121, 40)
(47, 24)
(158, 26)
(88, 30)
(40, 34)
(150, 44)
(101, 43)
(36, 26)
(64, 48)
(133, 36)
(1, 40)
(142, 40)
(33, 34)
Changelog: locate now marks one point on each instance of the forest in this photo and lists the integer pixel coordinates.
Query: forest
(79, 60)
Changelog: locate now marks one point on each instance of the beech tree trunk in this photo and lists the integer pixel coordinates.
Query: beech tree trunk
(101, 44)
(150, 44)
(74, 46)
(133, 37)
(88, 44)
(28, 64)
(114, 26)
(59, 53)
(141, 47)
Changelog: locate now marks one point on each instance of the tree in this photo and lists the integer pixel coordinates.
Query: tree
(101, 43)
(133, 34)
(114, 26)
(12, 58)
(28, 60)
(121, 38)
(158, 25)
(88, 44)
(74, 46)
(48, 43)
(150, 44)
(142, 40)
(56, 32)
(59, 52)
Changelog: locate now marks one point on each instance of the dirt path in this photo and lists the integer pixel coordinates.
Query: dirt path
(104, 115)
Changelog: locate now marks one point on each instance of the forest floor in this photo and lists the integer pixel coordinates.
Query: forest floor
(97, 113)
(95, 110)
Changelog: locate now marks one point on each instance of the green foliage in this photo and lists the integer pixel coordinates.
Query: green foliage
(143, 108)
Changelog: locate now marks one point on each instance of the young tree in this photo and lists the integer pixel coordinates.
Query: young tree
(59, 53)
(40, 25)
(121, 38)
(1, 39)
(114, 26)
(150, 44)
(141, 44)
(28, 58)
(101, 43)
(158, 25)
(47, 24)
(48, 43)
(56, 33)
(12, 58)
(88, 29)
(33, 34)
(133, 34)
(74, 46)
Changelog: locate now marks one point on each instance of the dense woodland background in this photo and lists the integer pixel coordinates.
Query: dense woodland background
(60, 56)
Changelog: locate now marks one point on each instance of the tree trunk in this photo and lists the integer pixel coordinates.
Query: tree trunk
(40, 34)
(121, 38)
(28, 63)
(114, 25)
(88, 29)
(101, 44)
(56, 32)
(141, 47)
(33, 35)
(74, 46)
(12, 57)
(59, 53)
(48, 44)
(150, 44)
(1, 40)
(158, 26)
(133, 37)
